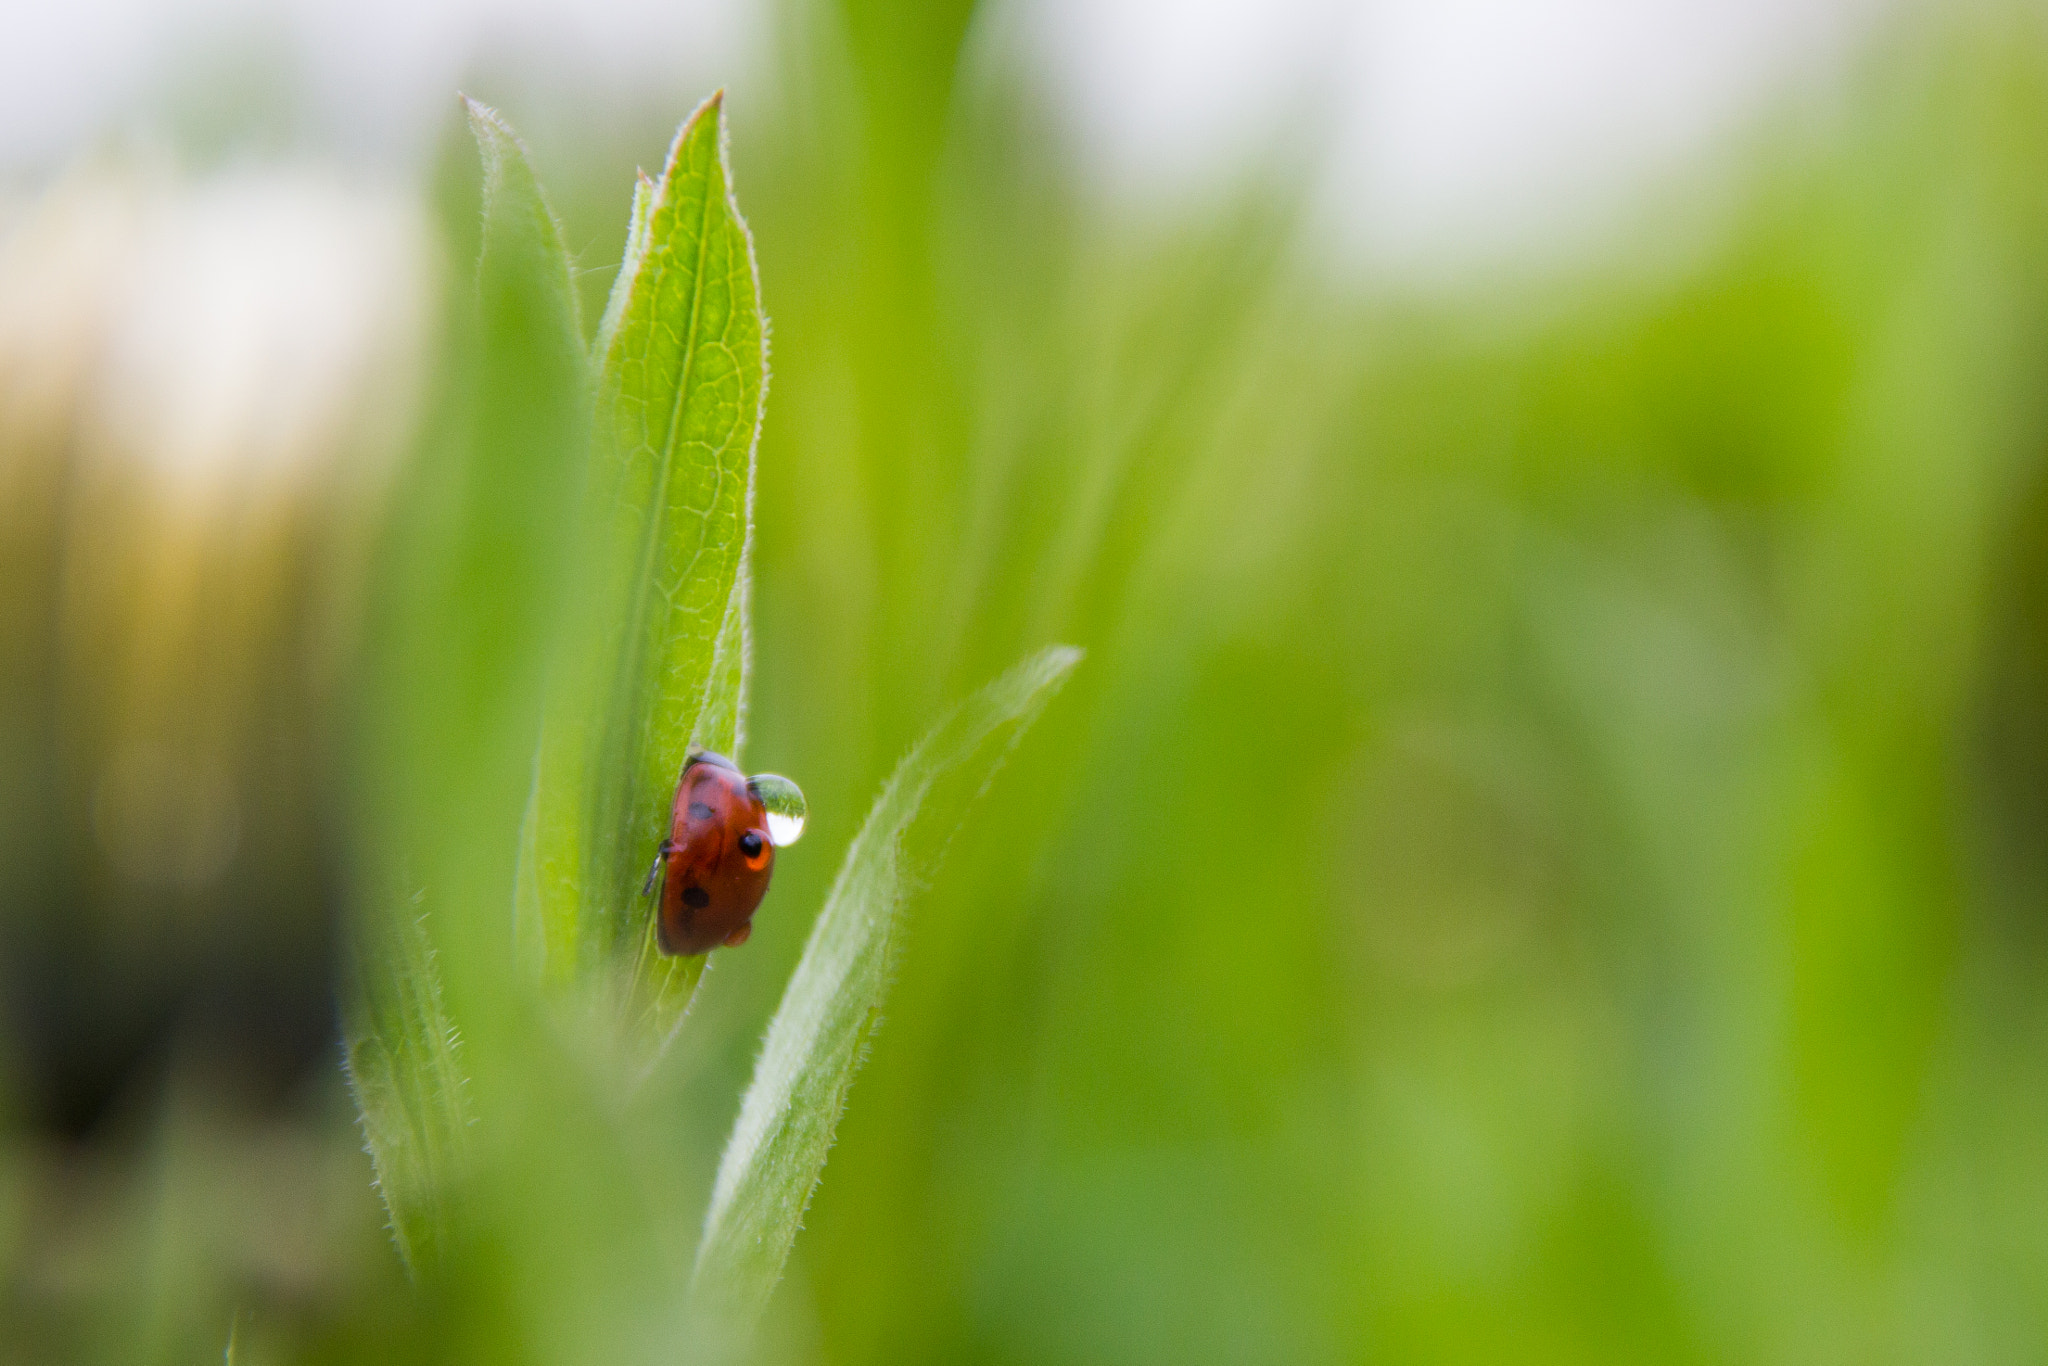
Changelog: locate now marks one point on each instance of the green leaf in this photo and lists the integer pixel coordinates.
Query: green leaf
(777, 1150)
(660, 653)
(722, 723)
(467, 588)
(401, 1059)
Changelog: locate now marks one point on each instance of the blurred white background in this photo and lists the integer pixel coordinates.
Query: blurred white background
(1443, 129)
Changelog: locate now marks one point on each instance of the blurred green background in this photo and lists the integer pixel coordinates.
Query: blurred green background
(1546, 859)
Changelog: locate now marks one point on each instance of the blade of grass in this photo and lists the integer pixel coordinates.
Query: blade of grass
(467, 585)
(401, 1060)
(776, 1153)
(683, 373)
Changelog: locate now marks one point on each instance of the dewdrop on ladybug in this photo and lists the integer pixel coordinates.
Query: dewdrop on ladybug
(720, 852)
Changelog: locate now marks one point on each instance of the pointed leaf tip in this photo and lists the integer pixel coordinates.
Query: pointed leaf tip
(657, 656)
(483, 116)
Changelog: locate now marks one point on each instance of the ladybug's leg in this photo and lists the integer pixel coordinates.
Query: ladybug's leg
(667, 848)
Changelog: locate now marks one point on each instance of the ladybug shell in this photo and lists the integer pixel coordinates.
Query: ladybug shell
(710, 884)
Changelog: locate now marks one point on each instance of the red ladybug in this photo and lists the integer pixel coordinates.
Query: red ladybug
(715, 864)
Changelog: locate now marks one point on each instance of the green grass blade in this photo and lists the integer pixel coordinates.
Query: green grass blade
(468, 584)
(777, 1149)
(682, 374)
(401, 1058)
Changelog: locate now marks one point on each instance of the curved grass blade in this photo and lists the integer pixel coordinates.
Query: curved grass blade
(777, 1150)
(467, 587)
(660, 654)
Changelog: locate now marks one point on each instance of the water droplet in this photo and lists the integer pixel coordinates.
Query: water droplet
(784, 802)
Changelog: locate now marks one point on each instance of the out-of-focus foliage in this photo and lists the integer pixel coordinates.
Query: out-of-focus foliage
(820, 1031)
(1544, 861)
(466, 589)
(508, 512)
(192, 424)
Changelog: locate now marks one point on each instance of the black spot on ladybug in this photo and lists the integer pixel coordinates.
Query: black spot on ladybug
(699, 811)
(696, 898)
(750, 844)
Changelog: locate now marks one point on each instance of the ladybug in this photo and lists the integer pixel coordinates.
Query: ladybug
(720, 851)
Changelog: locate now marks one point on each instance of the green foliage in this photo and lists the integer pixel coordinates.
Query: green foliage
(1543, 862)
(834, 1000)
(448, 1058)
(658, 654)
(467, 601)
(407, 1080)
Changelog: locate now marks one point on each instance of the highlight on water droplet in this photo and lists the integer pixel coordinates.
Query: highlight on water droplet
(784, 802)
